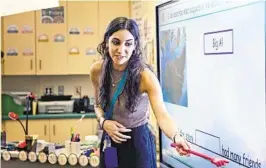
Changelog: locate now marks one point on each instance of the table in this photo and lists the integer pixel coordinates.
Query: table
(16, 163)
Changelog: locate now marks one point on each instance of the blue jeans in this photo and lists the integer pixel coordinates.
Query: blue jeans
(137, 152)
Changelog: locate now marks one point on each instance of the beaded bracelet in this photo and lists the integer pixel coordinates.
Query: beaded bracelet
(176, 135)
(103, 123)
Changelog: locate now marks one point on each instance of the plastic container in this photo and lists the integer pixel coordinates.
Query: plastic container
(72, 147)
(9, 105)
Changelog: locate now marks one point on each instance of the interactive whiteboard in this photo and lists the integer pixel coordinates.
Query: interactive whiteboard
(211, 58)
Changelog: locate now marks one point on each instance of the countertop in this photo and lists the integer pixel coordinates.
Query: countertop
(54, 116)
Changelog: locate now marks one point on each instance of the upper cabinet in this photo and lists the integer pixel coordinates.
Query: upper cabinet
(108, 10)
(51, 40)
(58, 41)
(82, 35)
(19, 44)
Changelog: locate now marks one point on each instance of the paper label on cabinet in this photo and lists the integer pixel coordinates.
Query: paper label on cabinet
(59, 38)
(12, 52)
(74, 51)
(90, 51)
(12, 29)
(26, 29)
(74, 31)
(27, 52)
(88, 31)
(43, 38)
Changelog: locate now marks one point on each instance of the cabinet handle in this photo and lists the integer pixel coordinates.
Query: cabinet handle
(31, 64)
(40, 64)
(45, 130)
(54, 130)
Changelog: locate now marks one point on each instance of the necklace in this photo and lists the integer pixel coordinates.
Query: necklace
(114, 82)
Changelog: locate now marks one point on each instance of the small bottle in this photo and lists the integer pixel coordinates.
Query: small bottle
(86, 103)
(3, 138)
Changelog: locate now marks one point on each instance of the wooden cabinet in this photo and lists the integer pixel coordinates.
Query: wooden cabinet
(19, 44)
(108, 10)
(60, 129)
(66, 46)
(40, 128)
(14, 131)
(2, 44)
(51, 42)
(82, 35)
(50, 130)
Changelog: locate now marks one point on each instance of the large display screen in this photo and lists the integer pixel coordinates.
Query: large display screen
(211, 63)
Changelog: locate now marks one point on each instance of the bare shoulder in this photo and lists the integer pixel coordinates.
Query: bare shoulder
(95, 71)
(146, 74)
(96, 67)
(148, 79)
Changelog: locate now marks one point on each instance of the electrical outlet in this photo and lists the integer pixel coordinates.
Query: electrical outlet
(60, 90)
(48, 90)
(77, 90)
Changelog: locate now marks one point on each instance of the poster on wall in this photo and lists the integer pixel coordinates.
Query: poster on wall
(53, 15)
(212, 73)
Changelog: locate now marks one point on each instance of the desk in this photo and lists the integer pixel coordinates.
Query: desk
(16, 163)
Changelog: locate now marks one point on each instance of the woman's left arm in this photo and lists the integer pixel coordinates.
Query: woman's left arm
(150, 85)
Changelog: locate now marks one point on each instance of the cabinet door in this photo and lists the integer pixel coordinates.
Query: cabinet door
(19, 44)
(87, 127)
(108, 10)
(51, 42)
(2, 44)
(60, 129)
(14, 131)
(82, 35)
(40, 128)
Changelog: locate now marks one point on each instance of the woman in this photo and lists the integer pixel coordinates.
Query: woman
(124, 120)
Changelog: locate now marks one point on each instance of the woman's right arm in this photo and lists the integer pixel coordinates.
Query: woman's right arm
(94, 76)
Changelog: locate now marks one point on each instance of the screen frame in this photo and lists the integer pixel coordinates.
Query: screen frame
(157, 8)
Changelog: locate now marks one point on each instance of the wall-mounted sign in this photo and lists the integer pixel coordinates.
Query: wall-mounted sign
(90, 51)
(27, 52)
(53, 15)
(59, 38)
(74, 30)
(74, 51)
(12, 29)
(88, 31)
(26, 29)
(43, 38)
(12, 52)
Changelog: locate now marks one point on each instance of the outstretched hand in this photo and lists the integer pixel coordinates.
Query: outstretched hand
(182, 146)
(218, 162)
(115, 130)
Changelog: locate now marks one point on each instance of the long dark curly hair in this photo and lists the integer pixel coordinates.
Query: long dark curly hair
(135, 64)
